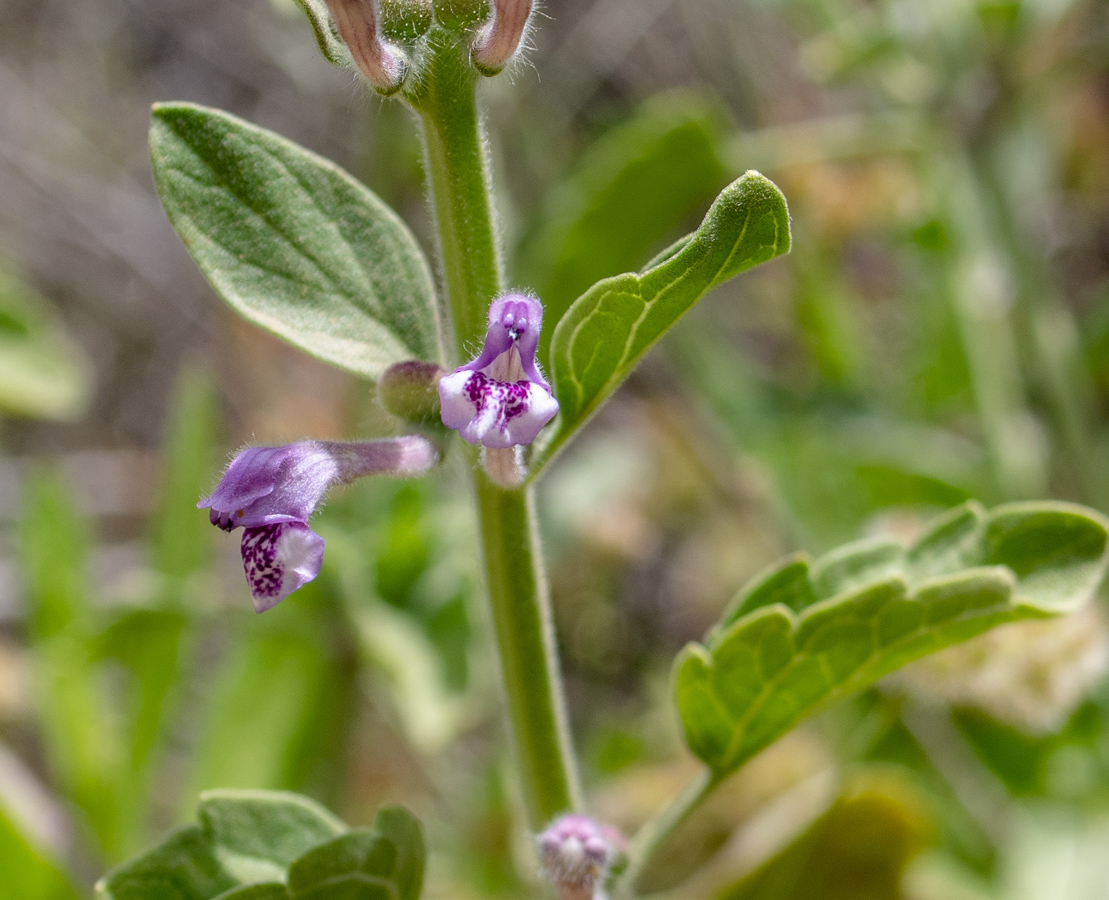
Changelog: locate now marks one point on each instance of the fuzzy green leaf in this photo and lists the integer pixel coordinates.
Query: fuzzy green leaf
(182, 867)
(381, 863)
(805, 633)
(270, 890)
(257, 834)
(242, 850)
(293, 243)
(634, 189)
(607, 330)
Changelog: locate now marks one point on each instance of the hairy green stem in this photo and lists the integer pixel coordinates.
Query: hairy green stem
(653, 836)
(461, 185)
(462, 200)
(521, 620)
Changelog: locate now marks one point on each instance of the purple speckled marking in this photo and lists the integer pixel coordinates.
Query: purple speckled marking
(263, 572)
(508, 398)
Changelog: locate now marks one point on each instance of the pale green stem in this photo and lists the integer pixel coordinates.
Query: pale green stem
(462, 201)
(657, 831)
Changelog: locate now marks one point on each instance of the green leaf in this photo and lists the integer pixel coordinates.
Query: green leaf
(632, 190)
(359, 864)
(608, 329)
(804, 633)
(381, 863)
(271, 890)
(293, 243)
(330, 44)
(400, 826)
(249, 844)
(257, 834)
(183, 867)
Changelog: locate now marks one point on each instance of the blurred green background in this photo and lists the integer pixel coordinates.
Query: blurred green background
(940, 331)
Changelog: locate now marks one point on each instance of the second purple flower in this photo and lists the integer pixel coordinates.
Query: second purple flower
(270, 492)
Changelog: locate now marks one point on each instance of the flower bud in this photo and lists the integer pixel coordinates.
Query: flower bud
(410, 391)
(383, 65)
(498, 40)
(576, 853)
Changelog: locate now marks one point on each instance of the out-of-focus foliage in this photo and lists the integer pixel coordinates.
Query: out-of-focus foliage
(43, 373)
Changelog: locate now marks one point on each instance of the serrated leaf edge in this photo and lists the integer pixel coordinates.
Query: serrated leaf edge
(706, 655)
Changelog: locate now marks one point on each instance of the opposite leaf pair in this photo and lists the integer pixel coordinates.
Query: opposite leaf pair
(273, 845)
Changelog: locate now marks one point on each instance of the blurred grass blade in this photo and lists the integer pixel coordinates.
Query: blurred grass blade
(804, 634)
(25, 874)
(54, 546)
(181, 535)
(271, 703)
(82, 737)
(293, 243)
(865, 841)
(148, 644)
(43, 373)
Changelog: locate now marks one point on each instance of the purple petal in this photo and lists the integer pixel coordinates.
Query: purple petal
(251, 475)
(308, 470)
(268, 485)
(278, 559)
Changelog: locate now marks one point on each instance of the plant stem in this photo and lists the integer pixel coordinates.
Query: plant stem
(652, 837)
(462, 201)
(461, 185)
(521, 619)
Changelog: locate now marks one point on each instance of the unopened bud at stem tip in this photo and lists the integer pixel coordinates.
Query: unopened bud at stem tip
(498, 40)
(383, 65)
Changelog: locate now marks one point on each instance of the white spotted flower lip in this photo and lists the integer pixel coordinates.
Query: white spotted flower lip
(501, 399)
(271, 492)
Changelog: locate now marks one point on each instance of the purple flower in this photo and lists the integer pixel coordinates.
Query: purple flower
(501, 399)
(270, 492)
